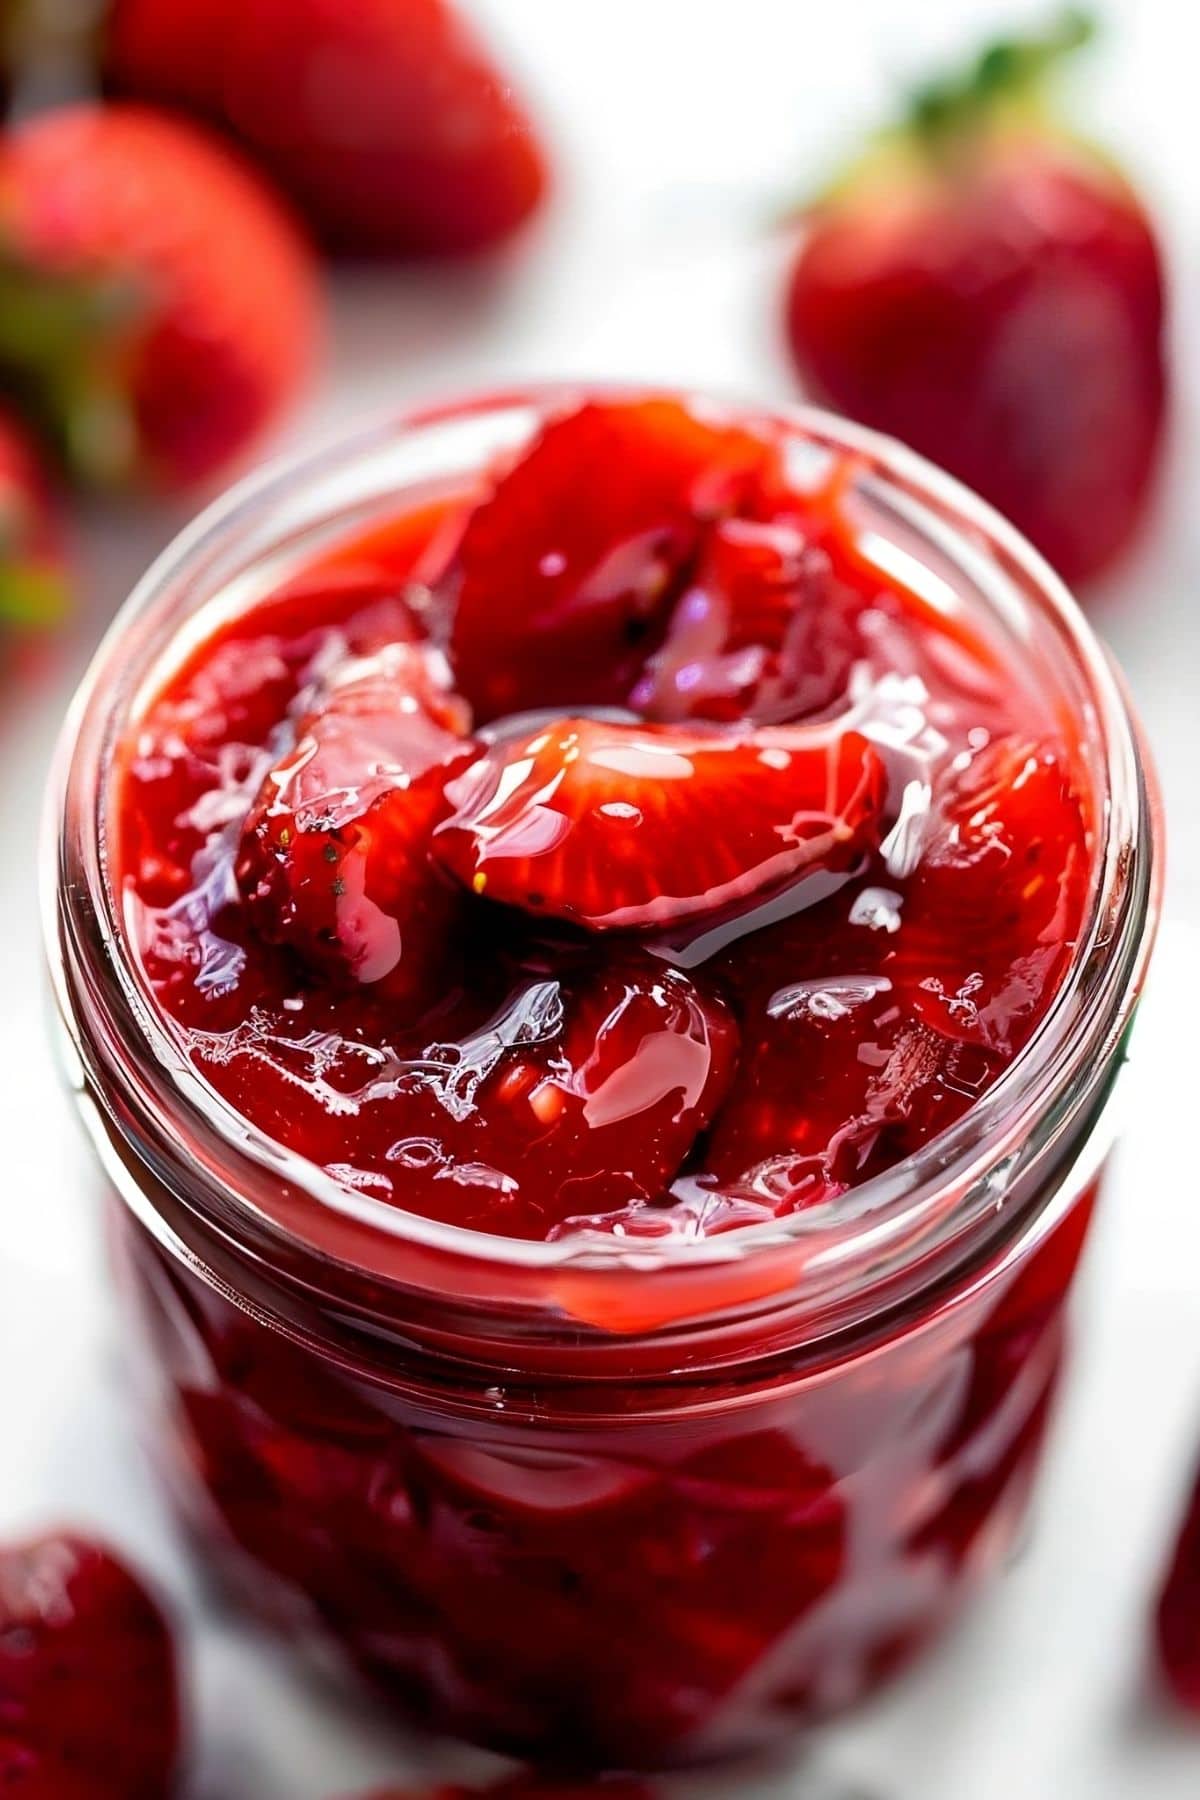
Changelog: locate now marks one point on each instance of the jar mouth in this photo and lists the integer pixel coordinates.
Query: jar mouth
(924, 1207)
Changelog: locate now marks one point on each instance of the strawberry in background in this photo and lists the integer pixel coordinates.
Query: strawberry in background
(158, 307)
(1177, 1613)
(385, 120)
(987, 286)
(33, 576)
(531, 1786)
(89, 1708)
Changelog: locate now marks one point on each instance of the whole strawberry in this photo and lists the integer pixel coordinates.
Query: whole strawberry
(158, 308)
(385, 120)
(88, 1702)
(33, 579)
(988, 287)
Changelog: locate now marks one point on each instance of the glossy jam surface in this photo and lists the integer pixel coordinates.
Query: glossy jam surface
(614, 847)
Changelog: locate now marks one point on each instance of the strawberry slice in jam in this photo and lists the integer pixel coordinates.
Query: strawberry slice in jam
(582, 1094)
(991, 916)
(761, 632)
(567, 572)
(837, 1079)
(334, 858)
(88, 1702)
(620, 827)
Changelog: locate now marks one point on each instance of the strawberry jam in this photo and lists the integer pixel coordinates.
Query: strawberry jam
(766, 918)
(588, 922)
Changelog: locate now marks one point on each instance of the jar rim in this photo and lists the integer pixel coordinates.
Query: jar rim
(926, 1206)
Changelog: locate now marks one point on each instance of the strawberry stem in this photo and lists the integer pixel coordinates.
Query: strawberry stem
(1011, 69)
(62, 342)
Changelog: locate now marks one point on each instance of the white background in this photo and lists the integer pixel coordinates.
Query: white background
(683, 127)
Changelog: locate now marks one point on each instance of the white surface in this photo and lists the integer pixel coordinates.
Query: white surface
(682, 125)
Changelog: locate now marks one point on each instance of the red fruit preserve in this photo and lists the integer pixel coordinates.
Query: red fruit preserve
(595, 934)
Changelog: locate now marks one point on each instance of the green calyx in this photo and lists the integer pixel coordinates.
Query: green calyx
(1006, 75)
(63, 350)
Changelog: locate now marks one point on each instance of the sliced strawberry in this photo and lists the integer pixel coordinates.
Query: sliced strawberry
(764, 631)
(578, 1096)
(88, 1701)
(566, 574)
(991, 918)
(627, 826)
(334, 858)
(837, 1080)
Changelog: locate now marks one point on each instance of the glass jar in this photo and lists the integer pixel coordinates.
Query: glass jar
(580, 1500)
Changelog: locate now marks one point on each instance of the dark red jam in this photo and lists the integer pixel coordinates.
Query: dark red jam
(623, 850)
(618, 848)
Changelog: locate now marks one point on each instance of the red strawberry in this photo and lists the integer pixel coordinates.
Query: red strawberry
(625, 826)
(989, 289)
(762, 631)
(157, 308)
(334, 859)
(33, 587)
(385, 120)
(1177, 1614)
(88, 1702)
(568, 571)
(986, 926)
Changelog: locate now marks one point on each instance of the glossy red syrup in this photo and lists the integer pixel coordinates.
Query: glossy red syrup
(654, 864)
(613, 848)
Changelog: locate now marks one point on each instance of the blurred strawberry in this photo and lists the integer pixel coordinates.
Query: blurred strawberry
(988, 287)
(157, 306)
(1177, 1614)
(531, 1786)
(33, 583)
(385, 120)
(88, 1701)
